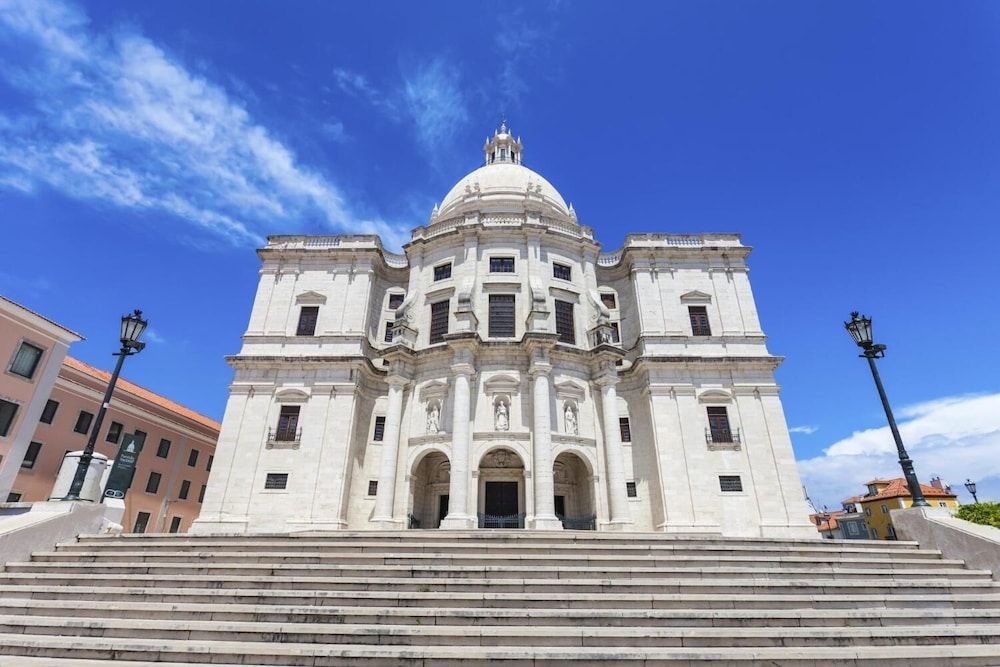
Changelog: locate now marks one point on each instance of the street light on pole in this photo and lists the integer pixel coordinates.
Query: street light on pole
(131, 330)
(860, 328)
(970, 486)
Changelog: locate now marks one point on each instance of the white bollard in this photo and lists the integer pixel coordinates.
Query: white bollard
(93, 483)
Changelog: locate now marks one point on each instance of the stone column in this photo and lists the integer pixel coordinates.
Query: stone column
(458, 487)
(541, 445)
(386, 492)
(620, 518)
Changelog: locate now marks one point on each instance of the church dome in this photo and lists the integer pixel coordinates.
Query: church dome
(501, 182)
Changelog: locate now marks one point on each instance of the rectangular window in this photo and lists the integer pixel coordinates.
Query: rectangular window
(153, 483)
(276, 480)
(562, 271)
(609, 301)
(175, 524)
(31, 455)
(885, 509)
(388, 331)
(616, 335)
(730, 483)
(379, 429)
(307, 321)
(501, 265)
(208, 466)
(630, 490)
(442, 271)
(868, 511)
(141, 521)
(49, 413)
(140, 437)
(395, 301)
(718, 424)
(892, 531)
(439, 320)
(185, 490)
(114, 432)
(13, 497)
(625, 428)
(193, 458)
(372, 487)
(942, 503)
(26, 360)
(874, 534)
(8, 411)
(565, 326)
(201, 494)
(699, 321)
(288, 424)
(163, 450)
(83, 422)
(501, 315)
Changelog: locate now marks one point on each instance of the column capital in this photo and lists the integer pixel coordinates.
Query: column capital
(463, 368)
(605, 373)
(397, 380)
(539, 368)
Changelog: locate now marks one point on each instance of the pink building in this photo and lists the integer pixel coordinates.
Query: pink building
(172, 470)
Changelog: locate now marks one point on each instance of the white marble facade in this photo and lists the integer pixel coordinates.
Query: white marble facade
(650, 406)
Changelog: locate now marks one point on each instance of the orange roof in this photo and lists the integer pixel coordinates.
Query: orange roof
(897, 489)
(852, 499)
(142, 392)
(824, 524)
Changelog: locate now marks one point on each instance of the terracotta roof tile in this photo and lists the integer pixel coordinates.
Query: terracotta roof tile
(897, 489)
(142, 392)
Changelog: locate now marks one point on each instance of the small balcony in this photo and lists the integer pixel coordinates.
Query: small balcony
(284, 438)
(723, 438)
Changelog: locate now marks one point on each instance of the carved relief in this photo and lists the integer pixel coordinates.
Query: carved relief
(572, 424)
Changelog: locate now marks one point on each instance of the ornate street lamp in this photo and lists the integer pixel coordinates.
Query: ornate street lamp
(132, 327)
(970, 486)
(860, 328)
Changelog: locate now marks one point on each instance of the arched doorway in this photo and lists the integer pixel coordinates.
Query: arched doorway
(429, 491)
(501, 490)
(574, 497)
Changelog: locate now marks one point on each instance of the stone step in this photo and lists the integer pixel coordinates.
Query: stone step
(427, 616)
(802, 586)
(145, 651)
(489, 636)
(561, 600)
(56, 563)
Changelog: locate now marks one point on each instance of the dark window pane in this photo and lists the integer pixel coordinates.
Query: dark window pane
(141, 521)
(562, 271)
(13, 497)
(26, 360)
(163, 450)
(8, 411)
(276, 480)
(201, 494)
(609, 301)
(193, 458)
(501, 315)
(730, 483)
(718, 424)
(185, 489)
(175, 524)
(153, 483)
(83, 422)
(211, 459)
(564, 322)
(379, 429)
(307, 321)
(388, 331)
(396, 300)
(442, 271)
(501, 265)
(616, 334)
(372, 487)
(31, 455)
(625, 428)
(114, 432)
(140, 437)
(49, 413)
(439, 321)
(288, 424)
(699, 321)
(630, 490)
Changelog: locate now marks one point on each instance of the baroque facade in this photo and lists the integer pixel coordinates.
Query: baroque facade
(505, 372)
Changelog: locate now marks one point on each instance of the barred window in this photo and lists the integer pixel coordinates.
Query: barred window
(630, 490)
(439, 320)
(442, 271)
(276, 480)
(372, 487)
(730, 483)
(388, 331)
(501, 316)
(562, 271)
(288, 423)
(718, 424)
(564, 322)
(379, 429)
(625, 428)
(501, 265)
(395, 300)
(699, 321)
(307, 321)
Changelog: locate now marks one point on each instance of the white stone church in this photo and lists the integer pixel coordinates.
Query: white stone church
(504, 372)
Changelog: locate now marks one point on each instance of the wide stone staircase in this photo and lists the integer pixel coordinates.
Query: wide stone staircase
(493, 597)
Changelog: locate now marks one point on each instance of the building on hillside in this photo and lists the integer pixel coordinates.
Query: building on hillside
(32, 348)
(172, 470)
(885, 495)
(827, 524)
(505, 371)
(852, 520)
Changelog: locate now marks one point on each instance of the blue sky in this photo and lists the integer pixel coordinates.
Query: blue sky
(146, 149)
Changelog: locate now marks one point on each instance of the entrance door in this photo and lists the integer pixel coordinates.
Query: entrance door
(560, 506)
(442, 507)
(501, 498)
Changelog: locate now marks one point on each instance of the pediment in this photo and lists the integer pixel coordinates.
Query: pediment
(311, 297)
(292, 394)
(434, 389)
(715, 396)
(696, 296)
(570, 389)
(501, 384)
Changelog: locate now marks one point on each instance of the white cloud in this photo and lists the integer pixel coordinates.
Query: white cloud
(955, 437)
(434, 101)
(114, 118)
(807, 430)
(153, 336)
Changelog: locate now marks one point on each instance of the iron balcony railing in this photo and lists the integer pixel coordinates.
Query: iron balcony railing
(283, 436)
(501, 521)
(722, 436)
(579, 522)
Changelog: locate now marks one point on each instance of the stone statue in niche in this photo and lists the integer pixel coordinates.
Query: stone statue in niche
(572, 425)
(433, 418)
(502, 422)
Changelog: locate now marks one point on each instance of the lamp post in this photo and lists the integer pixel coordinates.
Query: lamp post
(860, 328)
(132, 327)
(970, 486)
(829, 526)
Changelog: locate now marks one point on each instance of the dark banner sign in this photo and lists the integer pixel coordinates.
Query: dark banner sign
(123, 470)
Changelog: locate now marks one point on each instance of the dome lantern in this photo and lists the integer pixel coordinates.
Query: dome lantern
(502, 147)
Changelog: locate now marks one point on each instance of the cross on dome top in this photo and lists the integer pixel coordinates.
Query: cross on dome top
(502, 147)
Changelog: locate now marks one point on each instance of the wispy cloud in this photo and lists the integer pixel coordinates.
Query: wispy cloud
(153, 336)
(954, 437)
(114, 118)
(807, 430)
(434, 101)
